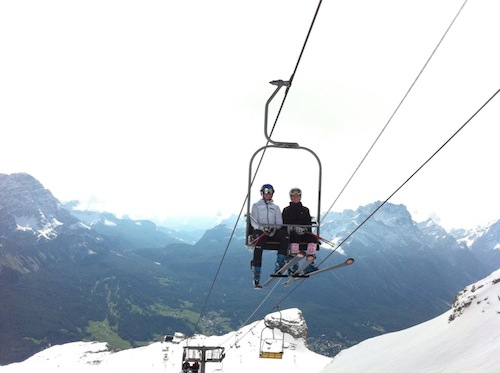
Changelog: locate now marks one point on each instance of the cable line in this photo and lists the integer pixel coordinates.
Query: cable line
(355, 171)
(260, 161)
(290, 81)
(398, 189)
(396, 110)
(376, 140)
(352, 176)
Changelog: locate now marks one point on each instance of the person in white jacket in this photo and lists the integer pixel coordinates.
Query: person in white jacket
(266, 221)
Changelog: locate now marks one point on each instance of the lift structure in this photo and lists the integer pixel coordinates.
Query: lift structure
(272, 343)
(296, 266)
(279, 145)
(203, 355)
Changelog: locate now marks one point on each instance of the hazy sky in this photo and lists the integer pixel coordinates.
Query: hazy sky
(154, 109)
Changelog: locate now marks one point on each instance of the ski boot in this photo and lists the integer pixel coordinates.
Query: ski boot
(311, 267)
(280, 262)
(256, 276)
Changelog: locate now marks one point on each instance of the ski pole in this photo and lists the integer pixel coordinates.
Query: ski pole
(322, 239)
(253, 242)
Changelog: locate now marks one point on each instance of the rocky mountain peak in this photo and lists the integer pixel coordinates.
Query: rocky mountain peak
(25, 205)
(30, 218)
(290, 321)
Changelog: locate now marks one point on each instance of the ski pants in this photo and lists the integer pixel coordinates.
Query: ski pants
(279, 236)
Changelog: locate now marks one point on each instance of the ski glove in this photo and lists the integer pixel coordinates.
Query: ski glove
(300, 230)
(269, 231)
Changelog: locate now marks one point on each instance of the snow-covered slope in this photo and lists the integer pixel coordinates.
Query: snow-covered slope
(242, 350)
(465, 339)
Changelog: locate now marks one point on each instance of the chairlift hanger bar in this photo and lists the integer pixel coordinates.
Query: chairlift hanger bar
(279, 84)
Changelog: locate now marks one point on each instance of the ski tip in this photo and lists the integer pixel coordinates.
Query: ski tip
(349, 261)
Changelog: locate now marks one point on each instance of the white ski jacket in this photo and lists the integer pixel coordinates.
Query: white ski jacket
(265, 213)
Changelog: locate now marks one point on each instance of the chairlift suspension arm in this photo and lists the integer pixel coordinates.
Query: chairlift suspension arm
(279, 83)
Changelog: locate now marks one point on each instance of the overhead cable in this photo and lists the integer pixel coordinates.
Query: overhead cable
(396, 110)
(397, 189)
(241, 211)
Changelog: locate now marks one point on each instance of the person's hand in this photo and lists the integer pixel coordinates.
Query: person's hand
(300, 230)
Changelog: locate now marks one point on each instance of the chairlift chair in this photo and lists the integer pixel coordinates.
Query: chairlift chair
(279, 145)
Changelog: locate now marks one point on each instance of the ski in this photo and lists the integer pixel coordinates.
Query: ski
(317, 272)
(283, 270)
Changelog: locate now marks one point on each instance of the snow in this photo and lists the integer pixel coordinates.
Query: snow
(468, 343)
(109, 223)
(24, 228)
(470, 236)
(30, 223)
(464, 339)
(26, 223)
(241, 353)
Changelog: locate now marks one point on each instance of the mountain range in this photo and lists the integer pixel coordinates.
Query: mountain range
(68, 275)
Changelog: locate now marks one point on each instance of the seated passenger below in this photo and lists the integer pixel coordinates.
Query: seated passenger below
(267, 222)
(186, 367)
(298, 214)
(195, 367)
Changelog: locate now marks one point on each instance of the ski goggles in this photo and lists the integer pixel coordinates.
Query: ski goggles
(295, 191)
(268, 191)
